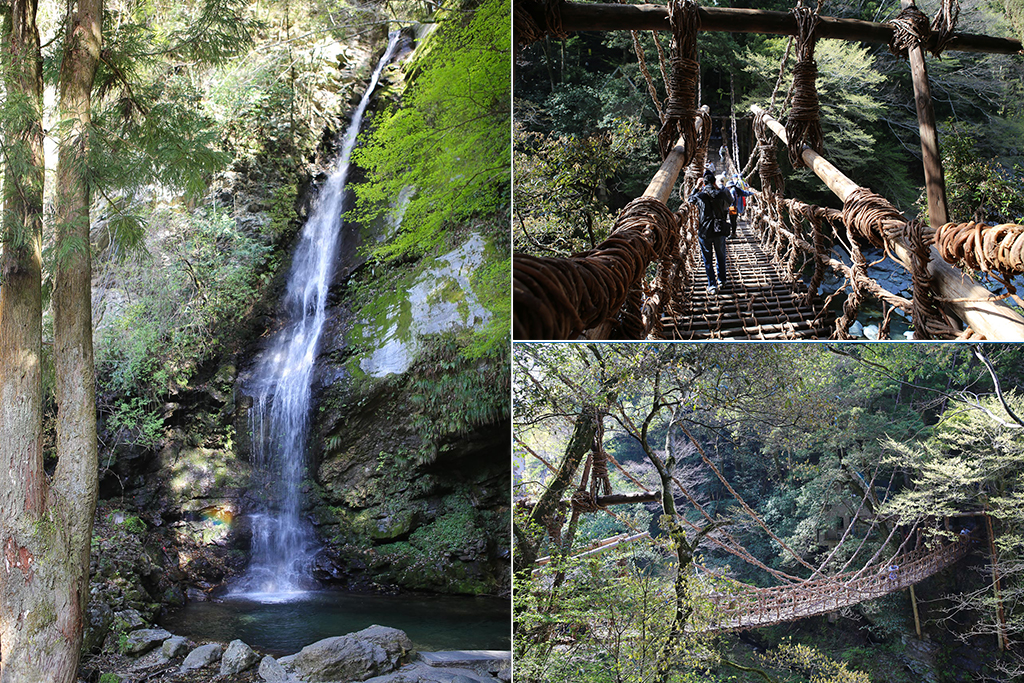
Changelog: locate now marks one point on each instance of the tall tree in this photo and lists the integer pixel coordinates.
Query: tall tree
(47, 525)
(21, 446)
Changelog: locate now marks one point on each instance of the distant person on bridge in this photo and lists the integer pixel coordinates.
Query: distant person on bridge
(713, 203)
(738, 194)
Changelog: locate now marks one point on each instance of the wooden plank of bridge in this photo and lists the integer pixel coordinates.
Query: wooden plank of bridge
(577, 16)
(760, 302)
(972, 303)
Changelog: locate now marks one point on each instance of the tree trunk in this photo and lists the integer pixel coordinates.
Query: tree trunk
(528, 540)
(73, 493)
(22, 537)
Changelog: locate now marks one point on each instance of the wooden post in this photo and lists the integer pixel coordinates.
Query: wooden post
(971, 302)
(664, 180)
(935, 182)
(917, 618)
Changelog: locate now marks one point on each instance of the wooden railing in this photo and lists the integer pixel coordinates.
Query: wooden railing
(743, 607)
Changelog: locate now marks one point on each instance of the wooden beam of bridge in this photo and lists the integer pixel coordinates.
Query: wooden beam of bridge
(612, 499)
(577, 16)
(972, 303)
(664, 180)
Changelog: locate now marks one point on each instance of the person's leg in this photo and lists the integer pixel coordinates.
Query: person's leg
(707, 253)
(719, 245)
(733, 218)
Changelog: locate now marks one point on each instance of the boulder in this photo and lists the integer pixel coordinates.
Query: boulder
(237, 658)
(175, 646)
(272, 672)
(419, 672)
(342, 658)
(204, 655)
(145, 639)
(394, 642)
(128, 620)
(98, 618)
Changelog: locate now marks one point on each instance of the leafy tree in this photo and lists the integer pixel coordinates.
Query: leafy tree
(977, 189)
(564, 182)
(450, 138)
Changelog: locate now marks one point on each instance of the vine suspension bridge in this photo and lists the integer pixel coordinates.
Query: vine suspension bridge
(729, 604)
(644, 281)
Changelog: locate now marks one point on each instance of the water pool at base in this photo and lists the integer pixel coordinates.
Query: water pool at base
(432, 622)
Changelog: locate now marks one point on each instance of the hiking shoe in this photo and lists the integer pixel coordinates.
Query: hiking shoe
(712, 289)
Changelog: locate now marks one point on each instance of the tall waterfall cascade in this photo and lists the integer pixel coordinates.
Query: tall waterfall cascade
(283, 544)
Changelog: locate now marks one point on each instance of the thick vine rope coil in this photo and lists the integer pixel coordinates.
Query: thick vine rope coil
(681, 105)
(559, 298)
(944, 25)
(978, 246)
(772, 182)
(910, 28)
(929, 322)
(803, 126)
(871, 216)
(528, 30)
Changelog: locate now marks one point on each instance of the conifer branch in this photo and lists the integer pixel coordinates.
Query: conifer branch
(105, 58)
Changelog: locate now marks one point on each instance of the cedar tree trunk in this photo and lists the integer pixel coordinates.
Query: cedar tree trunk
(25, 604)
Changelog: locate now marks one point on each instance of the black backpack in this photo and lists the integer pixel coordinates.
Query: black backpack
(718, 203)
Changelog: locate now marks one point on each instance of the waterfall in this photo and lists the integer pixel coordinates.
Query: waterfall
(282, 543)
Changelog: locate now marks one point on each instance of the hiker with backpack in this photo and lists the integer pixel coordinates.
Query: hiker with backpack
(713, 205)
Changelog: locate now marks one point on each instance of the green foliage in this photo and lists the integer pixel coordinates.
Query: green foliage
(452, 393)
(112, 677)
(608, 621)
(811, 665)
(450, 137)
(138, 417)
(979, 189)
(563, 183)
(182, 309)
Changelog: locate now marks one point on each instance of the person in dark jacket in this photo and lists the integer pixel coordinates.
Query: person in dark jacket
(713, 203)
(737, 193)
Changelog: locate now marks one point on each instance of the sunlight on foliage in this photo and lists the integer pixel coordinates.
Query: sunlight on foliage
(450, 137)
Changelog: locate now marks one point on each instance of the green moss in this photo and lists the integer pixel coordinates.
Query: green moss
(111, 677)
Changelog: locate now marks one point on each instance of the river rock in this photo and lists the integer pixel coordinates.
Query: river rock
(237, 658)
(129, 620)
(272, 672)
(341, 658)
(174, 646)
(419, 672)
(144, 640)
(394, 642)
(204, 655)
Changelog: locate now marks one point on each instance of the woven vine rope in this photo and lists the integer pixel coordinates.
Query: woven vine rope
(681, 105)
(981, 247)
(910, 28)
(803, 126)
(559, 298)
